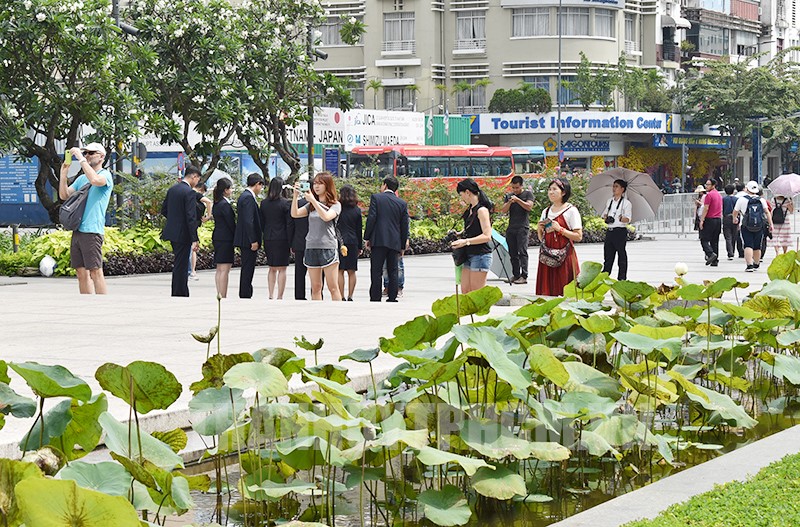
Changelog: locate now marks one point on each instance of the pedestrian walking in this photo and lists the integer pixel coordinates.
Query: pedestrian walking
(385, 235)
(711, 223)
(559, 227)
(751, 215)
(248, 232)
(518, 204)
(781, 239)
(180, 209)
(729, 229)
(222, 237)
(617, 216)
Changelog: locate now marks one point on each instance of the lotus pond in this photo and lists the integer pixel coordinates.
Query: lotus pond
(528, 416)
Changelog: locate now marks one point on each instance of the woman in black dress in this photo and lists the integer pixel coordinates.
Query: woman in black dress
(351, 227)
(222, 238)
(275, 217)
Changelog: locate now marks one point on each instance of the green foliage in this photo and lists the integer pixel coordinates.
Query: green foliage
(768, 499)
(145, 386)
(12, 263)
(593, 84)
(526, 98)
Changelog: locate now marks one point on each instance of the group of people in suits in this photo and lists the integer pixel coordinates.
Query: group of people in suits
(306, 226)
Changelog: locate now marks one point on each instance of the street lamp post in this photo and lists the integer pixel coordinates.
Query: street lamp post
(558, 89)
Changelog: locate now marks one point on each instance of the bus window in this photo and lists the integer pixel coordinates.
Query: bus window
(439, 167)
(499, 166)
(480, 167)
(416, 167)
(371, 166)
(460, 167)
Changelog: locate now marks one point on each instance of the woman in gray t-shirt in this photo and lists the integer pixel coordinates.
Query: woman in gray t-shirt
(322, 248)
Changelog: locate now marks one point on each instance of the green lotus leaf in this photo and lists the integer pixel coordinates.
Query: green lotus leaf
(726, 379)
(546, 364)
(684, 380)
(780, 365)
(335, 388)
(785, 289)
(83, 429)
(215, 368)
(434, 457)
(597, 323)
(13, 471)
(265, 379)
(444, 354)
(617, 430)
(175, 439)
(581, 405)
(4, 378)
(52, 381)
(279, 490)
(534, 498)
(446, 507)
(415, 439)
(589, 271)
(495, 441)
(586, 343)
(207, 338)
(584, 378)
(787, 338)
(736, 310)
(278, 357)
(68, 505)
(361, 355)
(302, 453)
(670, 347)
(323, 424)
(770, 306)
(107, 477)
(660, 333)
(436, 372)
(538, 308)
(214, 410)
(302, 343)
(724, 405)
(500, 483)
(473, 303)
(783, 266)
(596, 445)
(13, 403)
(137, 471)
(144, 385)
(332, 372)
(495, 345)
(632, 291)
(152, 449)
(42, 433)
(420, 332)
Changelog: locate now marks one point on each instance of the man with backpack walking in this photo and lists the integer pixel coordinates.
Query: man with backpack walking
(750, 213)
(86, 250)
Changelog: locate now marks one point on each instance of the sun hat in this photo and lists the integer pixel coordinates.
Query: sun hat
(752, 187)
(94, 147)
(700, 188)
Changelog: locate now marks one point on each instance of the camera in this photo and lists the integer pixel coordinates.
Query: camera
(305, 185)
(609, 220)
(451, 236)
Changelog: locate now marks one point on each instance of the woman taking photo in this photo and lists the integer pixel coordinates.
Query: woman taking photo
(559, 227)
(275, 216)
(322, 248)
(475, 236)
(351, 228)
(222, 237)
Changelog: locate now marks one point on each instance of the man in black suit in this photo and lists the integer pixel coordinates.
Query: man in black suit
(180, 209)
(248, 232)
(298, 228)
(386, 234)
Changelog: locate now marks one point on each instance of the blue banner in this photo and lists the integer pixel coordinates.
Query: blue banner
(691, 141)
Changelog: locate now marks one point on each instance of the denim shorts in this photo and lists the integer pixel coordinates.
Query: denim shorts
(479, 262)
(317, 258)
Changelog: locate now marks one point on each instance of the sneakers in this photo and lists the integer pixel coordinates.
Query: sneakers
(711, 259)
(521, 280)
(756, 265)
(194, 277)
(750, 268)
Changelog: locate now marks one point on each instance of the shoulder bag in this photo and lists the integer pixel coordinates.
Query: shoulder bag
(550, 256)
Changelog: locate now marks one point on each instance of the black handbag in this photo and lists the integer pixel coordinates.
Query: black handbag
(460, 256)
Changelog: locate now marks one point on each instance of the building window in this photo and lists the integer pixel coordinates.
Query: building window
(330, 30)
(631, 42)
(398, 31)
(538, 81)
(530, 22)
(470, 30)
(566, 94)
(357, 93)
(473, 99)
(604, 23)
(398, 99)
(575, 21)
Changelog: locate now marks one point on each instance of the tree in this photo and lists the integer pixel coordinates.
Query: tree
(276, 75)
(731, 96)
(592, 85)
(65, 66)
(785, 134)
(374, 85)
(195, 50)
(526, 98)
(643, 90)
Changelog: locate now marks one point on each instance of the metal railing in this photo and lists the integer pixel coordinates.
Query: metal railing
(398, 46)
(470, 44)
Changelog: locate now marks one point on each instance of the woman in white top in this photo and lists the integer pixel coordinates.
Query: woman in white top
(560, 225)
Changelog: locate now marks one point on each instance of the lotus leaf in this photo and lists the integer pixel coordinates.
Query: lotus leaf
(175, 439)
(434, 457)
(584, 378)
(545, 363)
(770, 306)
(596, 445)
(736, 310)
(413, 438)
(731, 381)
(685, 381)
(617, 430)
(500, 483)
(584, 342)
(143, 385)
(12, 472)
(495, 345)
(265, 379)
(105, 476)
(780, 365)
(538, 308)
(52, 381)
(215, 368)
(13, 403)
(152, 449)
(581, 405)
(361, 355)
(302, 343)
(83, 429)
(68, 505)
(589, 271)
(4, 378)
(275, 356)
(214, 410)
(534, 498)
(436, 372)
(787, 338)
(335, 388)
(632, 291)
(44, 430)
(785, 266)
(473, 303)
(724, 405)
(319, 425)
(446, 507)
(495, 441)
(418, 333)
(207, 338)
(278, 490)
(302, 453)
(332, 372)
(597, 323)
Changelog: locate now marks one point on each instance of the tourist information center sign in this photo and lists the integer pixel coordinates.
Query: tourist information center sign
(571, 122)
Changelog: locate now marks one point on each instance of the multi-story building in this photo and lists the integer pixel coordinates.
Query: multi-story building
(432, 53)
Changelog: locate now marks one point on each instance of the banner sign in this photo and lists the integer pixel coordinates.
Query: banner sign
(382, 127)
(571, 122)
(691, 141)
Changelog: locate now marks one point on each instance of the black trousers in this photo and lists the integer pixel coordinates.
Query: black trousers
(709, 235)
(733, 240)
(299, 276)
(180, 268)
(517, 240)
(614, 246)
(379, 256)
(247, 272)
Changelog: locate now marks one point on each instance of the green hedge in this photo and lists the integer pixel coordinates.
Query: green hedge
(770, 499)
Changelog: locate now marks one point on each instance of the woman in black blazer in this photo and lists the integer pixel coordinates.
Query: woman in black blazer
(351, 227)
(222, 238)
(275, 218)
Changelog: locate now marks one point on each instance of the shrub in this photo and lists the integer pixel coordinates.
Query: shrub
(12, 263)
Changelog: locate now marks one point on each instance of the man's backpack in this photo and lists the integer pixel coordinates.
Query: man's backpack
(778, 214)
(71, 212)
(754, 215)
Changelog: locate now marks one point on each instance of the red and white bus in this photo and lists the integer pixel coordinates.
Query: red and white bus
(422, 161)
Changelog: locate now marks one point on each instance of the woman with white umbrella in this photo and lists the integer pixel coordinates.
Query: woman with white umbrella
(782, 231)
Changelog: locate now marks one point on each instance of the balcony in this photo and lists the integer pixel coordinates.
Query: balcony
(671, 53)
(477, 45)
(399, 47)
(632, 48)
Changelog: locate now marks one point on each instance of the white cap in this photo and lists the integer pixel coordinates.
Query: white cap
(700, 188)
(752, 187)
(94, 147)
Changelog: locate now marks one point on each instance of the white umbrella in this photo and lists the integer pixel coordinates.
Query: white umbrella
(787, 185)
(642, 192)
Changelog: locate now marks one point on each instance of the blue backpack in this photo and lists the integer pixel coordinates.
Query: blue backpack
(754, 215)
